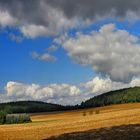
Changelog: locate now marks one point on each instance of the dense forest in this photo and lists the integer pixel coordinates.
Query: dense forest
(121, 96)
(128, 95)
(29, 107)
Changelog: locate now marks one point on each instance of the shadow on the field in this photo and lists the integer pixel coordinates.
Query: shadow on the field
(123, 132)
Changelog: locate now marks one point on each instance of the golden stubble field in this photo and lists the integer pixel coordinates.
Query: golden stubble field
(45, 125)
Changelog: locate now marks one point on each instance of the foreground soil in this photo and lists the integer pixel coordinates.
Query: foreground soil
(46, 125)
(124, 132)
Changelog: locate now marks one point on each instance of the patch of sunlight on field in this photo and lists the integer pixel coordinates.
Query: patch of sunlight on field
(45, 125)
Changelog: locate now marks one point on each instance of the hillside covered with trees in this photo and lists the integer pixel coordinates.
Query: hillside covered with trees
(128, 95)
(29, 107)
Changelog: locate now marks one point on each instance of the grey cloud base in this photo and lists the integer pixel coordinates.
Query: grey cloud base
(40, 18)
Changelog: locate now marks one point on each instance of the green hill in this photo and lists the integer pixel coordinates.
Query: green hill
(29, 107)
(128, 95)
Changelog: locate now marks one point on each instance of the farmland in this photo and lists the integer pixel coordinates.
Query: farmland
(45, 125)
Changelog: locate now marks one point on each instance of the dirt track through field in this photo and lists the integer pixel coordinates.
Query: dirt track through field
(46, 125)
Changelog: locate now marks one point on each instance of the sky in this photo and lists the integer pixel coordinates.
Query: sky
(66, 52)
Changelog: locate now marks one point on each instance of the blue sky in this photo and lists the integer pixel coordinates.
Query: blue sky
(53, 54)
(18, 65)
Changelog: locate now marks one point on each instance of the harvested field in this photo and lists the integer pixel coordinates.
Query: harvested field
(46, 125)
(123, 132)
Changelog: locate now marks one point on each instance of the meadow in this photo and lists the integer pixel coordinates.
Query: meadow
(46, 125)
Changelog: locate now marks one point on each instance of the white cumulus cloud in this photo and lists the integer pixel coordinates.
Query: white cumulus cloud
(110, 52)
(20, 91)
(64, 94)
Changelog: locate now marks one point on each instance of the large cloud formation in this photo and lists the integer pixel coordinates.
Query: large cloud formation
(110, 52)
(50, 17)
(65, 94)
